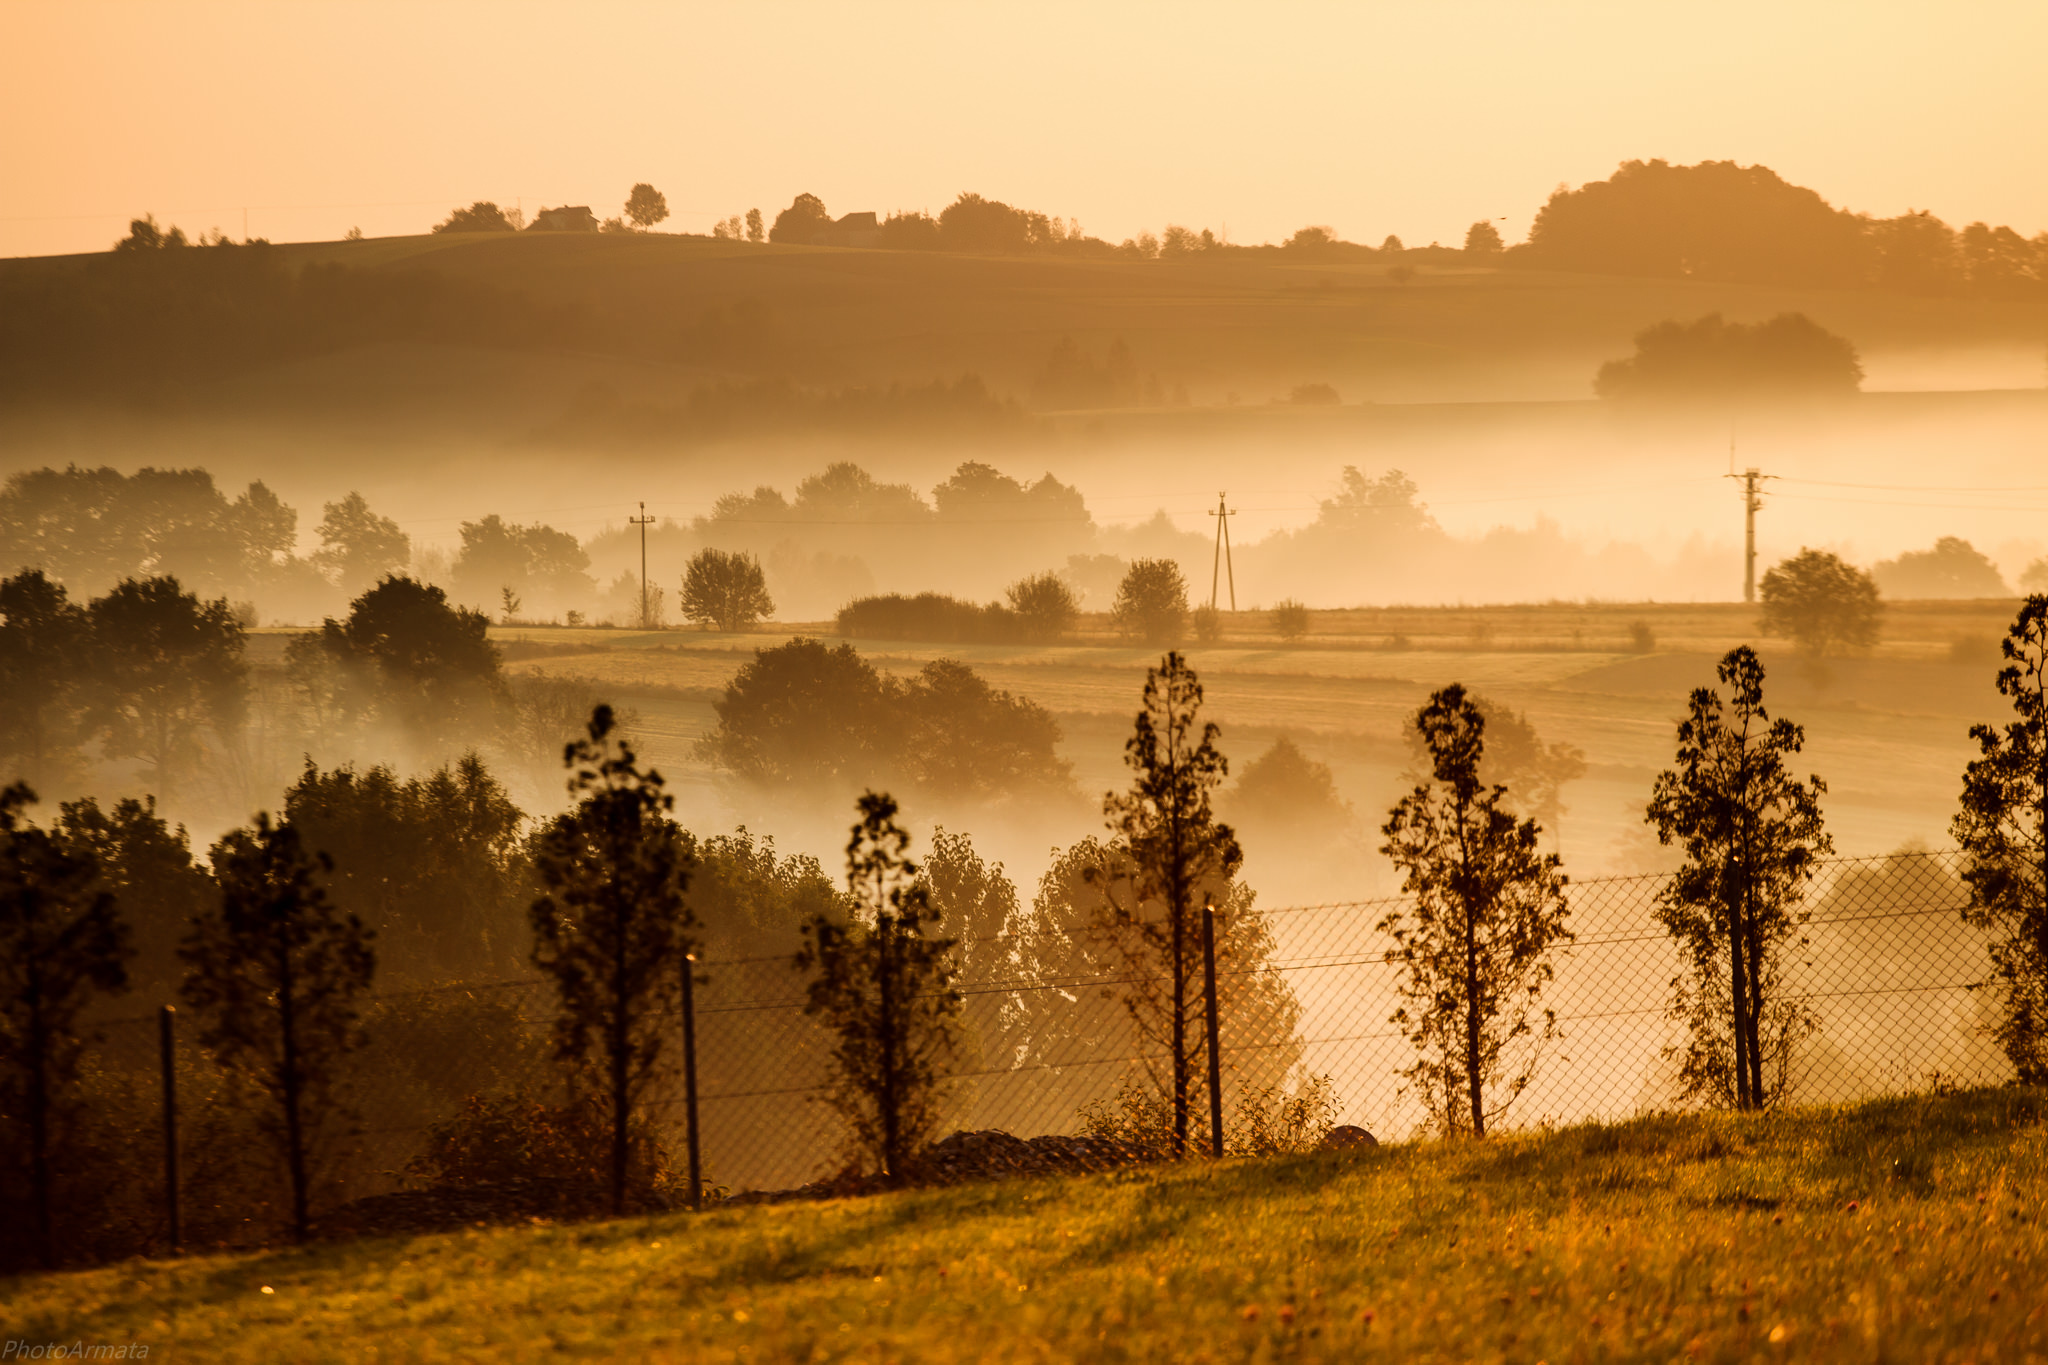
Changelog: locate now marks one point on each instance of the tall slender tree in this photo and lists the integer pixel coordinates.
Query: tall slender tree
(60, 941)
(884, 985)
(278, 972)
(1751, 833)
(1487, 918)
(2003, 830)
(614, 926)
(1181, 861)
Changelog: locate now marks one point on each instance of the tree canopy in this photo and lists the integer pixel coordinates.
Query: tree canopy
(1790, 356)
(1820, 601)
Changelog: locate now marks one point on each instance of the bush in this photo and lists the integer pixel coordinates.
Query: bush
(491, 1141)
(929, 616)
(1290, 619)
(1208, 623)
(1044, 606)
(1151, 603)
(1641, 638)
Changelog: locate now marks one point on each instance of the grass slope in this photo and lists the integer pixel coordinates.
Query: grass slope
(1901, 1230)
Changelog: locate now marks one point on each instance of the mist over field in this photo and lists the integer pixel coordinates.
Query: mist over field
(974, 678)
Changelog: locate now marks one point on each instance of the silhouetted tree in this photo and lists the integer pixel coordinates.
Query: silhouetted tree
(1151, 603)
(60, 941)
(1751, 834)
(358, 547)
(1514, 756)
(145, 234)
(278, 970)
(800, 712)
(44, 651)
(1478, 942)
(1713, 221)
(1953, 568)
(884, 986)
(751, 904)
(1045, 605)
(1791, 356)
(614, 929)
(754, 229)
(146, 865)
(801, 222)
(536, 562)
(165, 668)
(646, 206)
(1820, 601)
(958, 737)
(405, 656)
(1181, 859)
(432, 863)
(726, 590)
(482, 216)
(1483, 239)
(2002, 829)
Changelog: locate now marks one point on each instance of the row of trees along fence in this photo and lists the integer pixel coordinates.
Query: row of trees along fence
(1763, 972)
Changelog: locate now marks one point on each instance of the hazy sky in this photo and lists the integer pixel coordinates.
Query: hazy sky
(1410, 118)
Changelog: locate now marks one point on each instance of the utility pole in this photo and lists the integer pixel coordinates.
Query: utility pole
(1752, 503)
(642, 521)
(1223, 514)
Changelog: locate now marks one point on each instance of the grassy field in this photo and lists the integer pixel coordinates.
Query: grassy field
(1905, 1230)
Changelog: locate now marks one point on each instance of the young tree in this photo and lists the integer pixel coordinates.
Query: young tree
(726, 590)
(614, 930)
(166, 667)
(44, 641)
(1290, 619)
(1488, 916)
(1151, 603)
(2003, 831)
(1045, 604)
(646, 206)
(358, 548)
(755, 232)
(60, 940)
(1751, 833)
(278, 970)
(884, 986)
(1181, 860)
(1819, 601)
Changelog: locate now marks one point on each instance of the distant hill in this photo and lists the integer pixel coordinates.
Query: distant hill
(521, 333)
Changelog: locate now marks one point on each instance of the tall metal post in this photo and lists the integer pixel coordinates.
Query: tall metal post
(690, 1080)
(1752, 502)
(1222, 561)
(1215, 1050)
(641, 521)
(168, 1052)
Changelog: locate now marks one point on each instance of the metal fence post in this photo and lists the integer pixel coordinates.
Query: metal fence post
(690, 1079)
(1215, 1050)
(167, 1048)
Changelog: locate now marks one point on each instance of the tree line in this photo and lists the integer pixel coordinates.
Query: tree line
(276, 954)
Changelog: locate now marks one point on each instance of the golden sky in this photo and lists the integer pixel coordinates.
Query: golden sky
(1414, 118)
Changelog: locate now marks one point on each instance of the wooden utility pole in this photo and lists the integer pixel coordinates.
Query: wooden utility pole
(1752, 503)
(643, 521)
(1223, 514)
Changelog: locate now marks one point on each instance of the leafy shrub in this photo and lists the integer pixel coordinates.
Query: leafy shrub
(1044, 605)
(929, 616)
(492, 1140)
(1641, 638)
(1290, 619)
(1208, 623)
(1263, 1120)
(1151, 603)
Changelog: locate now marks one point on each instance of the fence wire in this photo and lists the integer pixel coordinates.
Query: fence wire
(1882, 961)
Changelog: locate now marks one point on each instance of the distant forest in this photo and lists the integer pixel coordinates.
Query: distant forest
(159, 312)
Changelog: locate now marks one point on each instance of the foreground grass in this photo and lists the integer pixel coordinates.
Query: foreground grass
(1906, 1230)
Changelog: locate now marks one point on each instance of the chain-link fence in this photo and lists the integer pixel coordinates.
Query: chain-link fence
(1883, 964)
